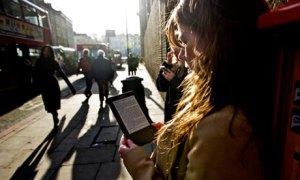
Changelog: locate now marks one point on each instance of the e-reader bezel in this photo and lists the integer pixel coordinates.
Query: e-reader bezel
(140, 137)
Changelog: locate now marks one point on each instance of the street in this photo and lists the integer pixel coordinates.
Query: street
(84, 147)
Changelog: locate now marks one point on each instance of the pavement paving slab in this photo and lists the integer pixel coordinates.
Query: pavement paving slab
(108, 134)
(84, 171)
(7, 157)
(110, 170)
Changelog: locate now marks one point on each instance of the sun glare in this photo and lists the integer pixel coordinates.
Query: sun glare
(95, 16)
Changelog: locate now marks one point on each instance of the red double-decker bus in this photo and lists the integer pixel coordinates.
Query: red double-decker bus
(24, 29)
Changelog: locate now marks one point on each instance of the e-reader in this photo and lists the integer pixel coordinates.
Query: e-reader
(131, 118)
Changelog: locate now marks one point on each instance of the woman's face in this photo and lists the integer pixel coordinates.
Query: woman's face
(187, 39)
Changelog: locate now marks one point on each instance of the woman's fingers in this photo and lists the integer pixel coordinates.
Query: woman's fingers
(123, 140)
(125, 146)
(157, 125)
(122, 150)
(168, 75)
(131, 144)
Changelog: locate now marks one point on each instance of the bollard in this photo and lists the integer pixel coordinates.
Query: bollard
(134, 84)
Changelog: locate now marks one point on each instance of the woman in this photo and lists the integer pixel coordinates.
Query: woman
(47, 83)
(170, 76)
(215, 133)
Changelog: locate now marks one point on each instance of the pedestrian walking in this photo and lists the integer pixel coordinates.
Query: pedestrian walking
(114, 76)
(85, 66)
(218, 129)
(170, 76)
(102, 71)
(133, 63)
(47, 83)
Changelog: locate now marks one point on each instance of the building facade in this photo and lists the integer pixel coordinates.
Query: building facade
(118, 42)
(61, 35)
(80, 38)
(153, 16)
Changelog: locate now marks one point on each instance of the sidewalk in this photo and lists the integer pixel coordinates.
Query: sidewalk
(33, 104)
(86, 144)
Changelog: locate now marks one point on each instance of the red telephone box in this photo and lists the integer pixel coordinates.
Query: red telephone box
(284, 26)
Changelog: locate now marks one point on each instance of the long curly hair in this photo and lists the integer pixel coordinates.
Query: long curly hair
(51, 52)
(222, 70)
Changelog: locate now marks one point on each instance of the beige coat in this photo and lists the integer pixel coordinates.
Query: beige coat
(209, 153)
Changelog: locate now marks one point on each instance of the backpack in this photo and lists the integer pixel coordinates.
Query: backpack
(85, 65)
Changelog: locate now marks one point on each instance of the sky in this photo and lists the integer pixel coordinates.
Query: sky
(95, 16)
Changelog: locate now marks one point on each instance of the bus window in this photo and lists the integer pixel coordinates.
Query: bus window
(19, 52)
(1, 6)
(34, 54)
(43, 21)
(30, 14)
(12, 7)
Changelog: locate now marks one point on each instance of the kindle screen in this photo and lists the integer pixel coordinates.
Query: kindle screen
(131, 114)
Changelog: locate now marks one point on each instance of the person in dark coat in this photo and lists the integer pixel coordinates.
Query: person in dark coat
(47, 83)
(170, 76)
(133, 64)
(102, 71)
(85, 65)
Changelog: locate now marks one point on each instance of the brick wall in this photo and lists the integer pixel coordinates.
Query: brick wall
(154, 39)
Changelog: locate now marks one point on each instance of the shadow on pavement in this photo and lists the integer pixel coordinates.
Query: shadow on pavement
(113, 91)
(65, 140)
(65, 92)
(148, 94)
(88, 155)
(94, 150)
(28, 169)
(121, 69)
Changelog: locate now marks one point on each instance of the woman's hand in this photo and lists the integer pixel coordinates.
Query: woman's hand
(168, 74)
(126, 145)
(170, 55)
(157, 125)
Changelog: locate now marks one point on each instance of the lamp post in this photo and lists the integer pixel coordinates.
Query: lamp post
(108, 34)
(127, 44)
